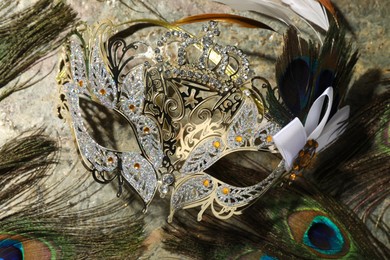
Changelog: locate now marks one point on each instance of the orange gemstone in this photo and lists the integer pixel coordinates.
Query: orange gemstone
(293, 176)
(269, 139)
(239, 138)
(206, 183)
(301, 153)
(217, 144)
(132, 107)
(137, 166)
(110, 159)
(304, 161)
(146, 130)
(102, 92)
(296, 167)
(310, 142)
(225, 190)
(81, 83)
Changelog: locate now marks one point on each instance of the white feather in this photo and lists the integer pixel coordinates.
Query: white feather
(266, 7)
(309, 10)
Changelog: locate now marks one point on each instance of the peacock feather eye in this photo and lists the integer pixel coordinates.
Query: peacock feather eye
(17, 247)
(267, 257)
(11, 250)
(297, 74)
(324, 80)
(254, 254)
(324, 236)
(321, 235)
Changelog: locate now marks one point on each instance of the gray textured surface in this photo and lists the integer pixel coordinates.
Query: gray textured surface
(37, 106)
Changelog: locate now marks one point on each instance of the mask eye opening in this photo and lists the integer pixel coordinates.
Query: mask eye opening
(109, 128)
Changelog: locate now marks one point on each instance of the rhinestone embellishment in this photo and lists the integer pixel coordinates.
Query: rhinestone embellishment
(186, 113)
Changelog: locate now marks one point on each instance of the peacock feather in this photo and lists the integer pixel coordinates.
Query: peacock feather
(40, 221)
(29, 35)
(294, 221)
(359, 175)
(304, 70)
(301, 220)
(41, 218)
(291, 222)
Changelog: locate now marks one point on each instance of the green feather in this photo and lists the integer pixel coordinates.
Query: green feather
(355, 169)
(47, 221)
(29, 35)
(25, 160)
(267, 228)
(281, 222)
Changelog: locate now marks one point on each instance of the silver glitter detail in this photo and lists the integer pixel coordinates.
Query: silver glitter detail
(101, 82)
(142, 178)
(203, 156)
(215, 71)
(132, 92)
(262, 134)
(150, 141)
(190, 190)
(77, 62)
(244, 124)
(97, 155)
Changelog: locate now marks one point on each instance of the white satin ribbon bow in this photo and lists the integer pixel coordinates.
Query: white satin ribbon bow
(293, 137)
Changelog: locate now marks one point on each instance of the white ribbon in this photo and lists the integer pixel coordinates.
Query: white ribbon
(293, 137)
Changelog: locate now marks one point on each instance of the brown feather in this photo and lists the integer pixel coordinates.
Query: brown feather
(329, 6)
(228, 18)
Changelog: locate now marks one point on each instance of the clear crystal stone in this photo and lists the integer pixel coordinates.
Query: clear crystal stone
(164, 189)
(168, 179)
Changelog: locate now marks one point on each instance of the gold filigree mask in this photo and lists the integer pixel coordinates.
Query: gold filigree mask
(188, 102)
